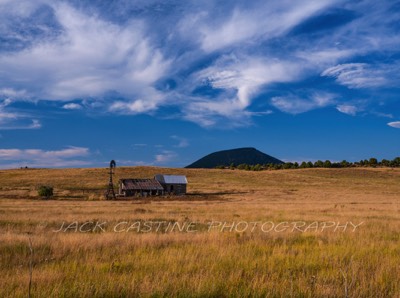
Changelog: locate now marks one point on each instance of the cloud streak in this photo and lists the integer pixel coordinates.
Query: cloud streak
(165, 157)
(43, 158)
(182, 142)
(359, 75)
(12, 120)
(294, 104)
(267, 20)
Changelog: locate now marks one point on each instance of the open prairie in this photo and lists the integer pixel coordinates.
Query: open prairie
(288, 233)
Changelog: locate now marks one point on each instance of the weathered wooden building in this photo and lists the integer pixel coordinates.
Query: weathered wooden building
(140, 187)
(172, 184)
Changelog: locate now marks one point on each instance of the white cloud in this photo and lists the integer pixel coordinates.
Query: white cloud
(89, 58)
(35, 124)
(43, 158)
(16, 125)
(12, 154)
(165, 157)
(267, 20)
(5, 116)
(21, 8)
(12, 93)
(72, 106)
(246, 75)
(347, 109)
(182, 142)
(395, 124)
(240, 79)
(324, 56)
(294, 104)
(136, 106)
(357, 75)
(380, 114)
(11, 120)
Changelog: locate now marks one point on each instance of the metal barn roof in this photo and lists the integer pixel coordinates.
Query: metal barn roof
(171, 179)
(141, 184)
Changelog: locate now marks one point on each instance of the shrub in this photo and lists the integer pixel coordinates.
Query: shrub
(45, 191)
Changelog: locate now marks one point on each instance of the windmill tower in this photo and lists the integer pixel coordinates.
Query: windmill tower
(110, 194)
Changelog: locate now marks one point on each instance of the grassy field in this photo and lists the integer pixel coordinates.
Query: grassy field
(292, 246)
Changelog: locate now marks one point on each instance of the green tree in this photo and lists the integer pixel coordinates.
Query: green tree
(288, 165)
(242, 166)
(257, 167)
(344, 164)
(303, 165)
(396, 162)
(318, 164)
(385, 163)
(373, 162)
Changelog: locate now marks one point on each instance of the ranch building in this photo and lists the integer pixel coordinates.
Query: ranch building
(140, 187)
(172, 184)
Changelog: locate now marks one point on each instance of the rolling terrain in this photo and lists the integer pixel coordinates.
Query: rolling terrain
(103, 261)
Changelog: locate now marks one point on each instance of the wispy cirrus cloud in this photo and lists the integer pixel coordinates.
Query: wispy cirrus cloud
(43, 158)
(11, 119)
(182, 142)
(152, 55)
(237, 79)
(87, 58)
(266, 20)
(359, 75)
(294, 104)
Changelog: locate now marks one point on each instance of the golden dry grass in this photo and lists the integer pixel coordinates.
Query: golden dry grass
(365, 263)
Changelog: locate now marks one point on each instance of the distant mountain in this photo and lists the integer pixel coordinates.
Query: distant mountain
(250, 156)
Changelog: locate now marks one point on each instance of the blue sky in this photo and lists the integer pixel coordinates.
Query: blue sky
(163, 83)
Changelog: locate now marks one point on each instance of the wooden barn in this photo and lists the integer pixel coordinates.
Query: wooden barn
(172, 184)
(140, 187)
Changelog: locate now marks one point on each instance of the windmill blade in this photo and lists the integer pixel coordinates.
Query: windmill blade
(113, 164)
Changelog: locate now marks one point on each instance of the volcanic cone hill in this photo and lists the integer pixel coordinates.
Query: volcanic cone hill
(250, 156)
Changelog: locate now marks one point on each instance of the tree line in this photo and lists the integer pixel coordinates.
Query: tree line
(372, 162)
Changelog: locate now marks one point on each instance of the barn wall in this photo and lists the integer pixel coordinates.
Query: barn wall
(176, 189)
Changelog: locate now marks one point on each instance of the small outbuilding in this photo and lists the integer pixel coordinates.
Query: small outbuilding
(140, 187)
(172, 184)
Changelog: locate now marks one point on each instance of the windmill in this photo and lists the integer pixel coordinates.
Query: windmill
(110, 194)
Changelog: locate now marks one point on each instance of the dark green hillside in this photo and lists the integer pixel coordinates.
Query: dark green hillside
(250, 156)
